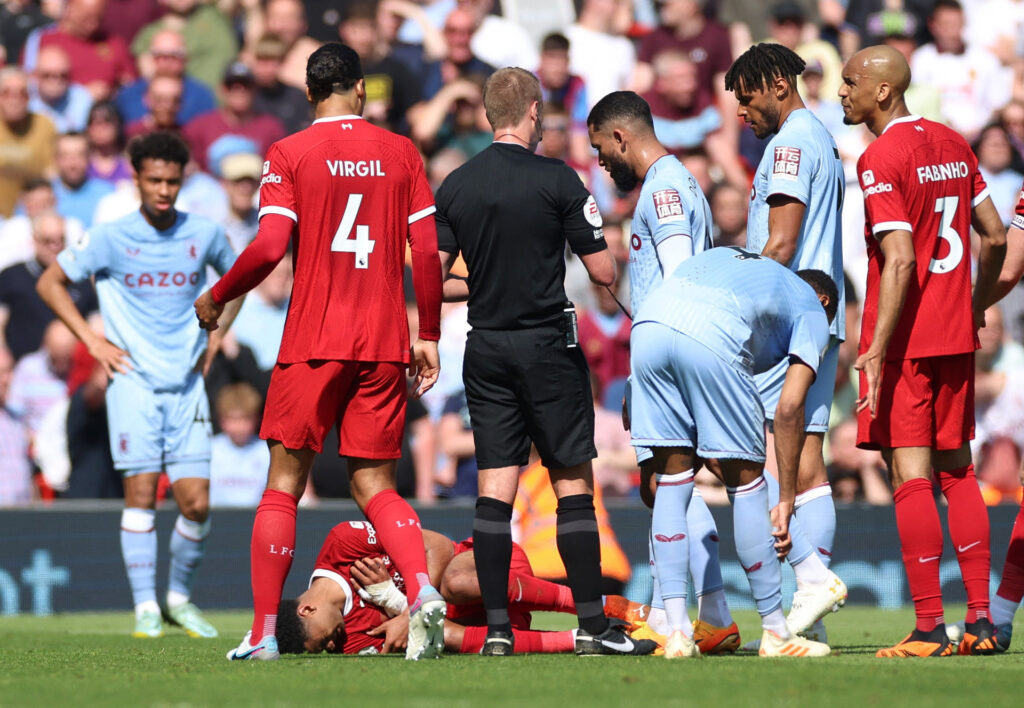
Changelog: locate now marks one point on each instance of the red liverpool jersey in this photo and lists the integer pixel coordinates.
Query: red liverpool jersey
(1018, 213)
(353, 189)
(922, 177)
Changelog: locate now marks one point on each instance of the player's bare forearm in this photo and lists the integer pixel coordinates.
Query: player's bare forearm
(1013, 265)
(785, 215)
(52, 288)
(789, 427)
(440, 552)
(900, 266)
(989, 226)
(455, 288)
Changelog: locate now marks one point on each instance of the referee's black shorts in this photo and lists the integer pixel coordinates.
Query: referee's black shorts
(524, 385)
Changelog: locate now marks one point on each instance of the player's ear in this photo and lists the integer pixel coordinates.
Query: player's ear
(305, 610)
(883, 92)
(780, 87)
(825, 300)
(619, 136)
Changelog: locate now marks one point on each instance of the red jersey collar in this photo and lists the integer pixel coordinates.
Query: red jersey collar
(332, 119)
(905, 119)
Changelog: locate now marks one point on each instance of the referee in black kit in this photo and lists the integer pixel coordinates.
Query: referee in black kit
(510, 212)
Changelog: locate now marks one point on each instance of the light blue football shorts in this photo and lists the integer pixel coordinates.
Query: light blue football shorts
(152, 430)
(818, 405)
(685, 395)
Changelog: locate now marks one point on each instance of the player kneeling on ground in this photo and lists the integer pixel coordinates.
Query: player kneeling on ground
(356, 601)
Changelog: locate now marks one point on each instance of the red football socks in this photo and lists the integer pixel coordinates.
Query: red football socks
(969, 531)
(527, 640)
(1011, 587)
(271, 552)
(398, 527)
(917, 520)
(527, 593)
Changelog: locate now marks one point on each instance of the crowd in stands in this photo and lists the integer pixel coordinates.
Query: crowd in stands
(80, 78)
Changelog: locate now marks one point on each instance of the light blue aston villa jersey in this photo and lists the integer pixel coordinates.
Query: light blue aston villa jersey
(749, 310)
(672, 204)
(802, 161)
(146, 281)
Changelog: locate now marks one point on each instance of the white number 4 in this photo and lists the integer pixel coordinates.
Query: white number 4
(947, 207)
(343, 241)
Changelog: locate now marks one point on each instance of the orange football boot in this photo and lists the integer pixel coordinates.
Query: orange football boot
(934, 643)
(979, 638)
(644, 631)
(716, 640)
(633, 613)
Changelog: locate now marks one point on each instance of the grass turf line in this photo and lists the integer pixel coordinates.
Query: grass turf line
(90, 660)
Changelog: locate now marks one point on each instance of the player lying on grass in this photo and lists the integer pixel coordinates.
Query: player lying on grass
(356, 600)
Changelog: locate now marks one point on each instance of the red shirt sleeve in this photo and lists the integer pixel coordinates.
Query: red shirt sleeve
(426, 264)
(277, 188)
(979, 189)
(257, 260)
(884, 203)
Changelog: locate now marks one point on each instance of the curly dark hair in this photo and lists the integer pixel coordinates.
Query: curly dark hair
(823, 285)
(291, 632)
(757, 67)
(158, 146)
(620, 106)
(333, 68)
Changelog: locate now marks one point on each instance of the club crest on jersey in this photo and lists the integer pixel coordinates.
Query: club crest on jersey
(867, 177)
(787, 162)
(122, 443)
(667, 205)
(266, 167)
(592, 214)
(193, 249)
(635, 242)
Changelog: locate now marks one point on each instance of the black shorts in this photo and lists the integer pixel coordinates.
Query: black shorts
(524, 385)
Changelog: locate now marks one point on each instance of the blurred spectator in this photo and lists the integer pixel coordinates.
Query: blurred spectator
(729, 215)
(100, 61)
(15, 469)
(455, 439)
(414, 28)
(999, 402)
(260, 322)
(459, 62)
(26, 139)
(500, 41)
(684, 113)
(604, 59)
(604, 339)
(442, 164)
(106, 134)
(125, 18)
(287, 103)
(555, 139)
(40, 379)
(557, 85)
(169, 56)
(286, 20)
(855, 474)
(240, 176)
(1012, 118)
(392, 15)
(323, 18)
(750, 22)
(789, 27)
(209, 38)
(970, 79)
(615, 469)
(897, 31)
(996, 26)
(873, 18)
(54, 95)
(237, 117)
(88, 442)
(824, 106)
(17, 20)
(16, 242)
(391, 88)
(163, 99)
(1001, 167)
(239, 460)
(76, 192)
(24, 317)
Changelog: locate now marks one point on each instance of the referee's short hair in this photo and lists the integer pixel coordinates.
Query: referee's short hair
(620, 106)
(508, 94)
(333, 68)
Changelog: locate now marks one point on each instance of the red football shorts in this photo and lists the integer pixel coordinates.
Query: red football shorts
(365, 399)
(927, 402)
(474, 615)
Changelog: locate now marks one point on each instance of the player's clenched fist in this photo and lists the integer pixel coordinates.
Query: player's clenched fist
(208, 311)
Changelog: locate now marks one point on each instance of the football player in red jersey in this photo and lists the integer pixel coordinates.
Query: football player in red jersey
(347, 195)
(922, 193)
(355, 603)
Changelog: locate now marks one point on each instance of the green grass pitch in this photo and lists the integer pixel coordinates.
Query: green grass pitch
(90, 660)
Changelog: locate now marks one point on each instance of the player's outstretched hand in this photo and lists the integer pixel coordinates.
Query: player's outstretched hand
(208, 311)
(395, 632)
(110, 356)
(871, 364)
(425, 365)
(780, 514)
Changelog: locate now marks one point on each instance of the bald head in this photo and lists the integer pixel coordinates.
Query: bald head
(885, 65)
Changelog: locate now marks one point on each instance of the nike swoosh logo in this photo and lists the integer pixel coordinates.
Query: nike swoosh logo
(967, 547)
(519, 584)
(926, 560)
(247, 654)
(622, 645)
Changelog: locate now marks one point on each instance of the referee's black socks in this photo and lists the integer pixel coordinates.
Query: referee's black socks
(580, 547)
(492, 546)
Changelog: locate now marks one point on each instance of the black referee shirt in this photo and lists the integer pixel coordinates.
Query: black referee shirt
(511, 212)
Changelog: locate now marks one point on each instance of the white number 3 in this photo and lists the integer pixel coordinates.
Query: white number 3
(947, 206)
(361, 246)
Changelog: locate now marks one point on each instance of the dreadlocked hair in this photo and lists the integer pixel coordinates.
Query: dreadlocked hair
(757, 67)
